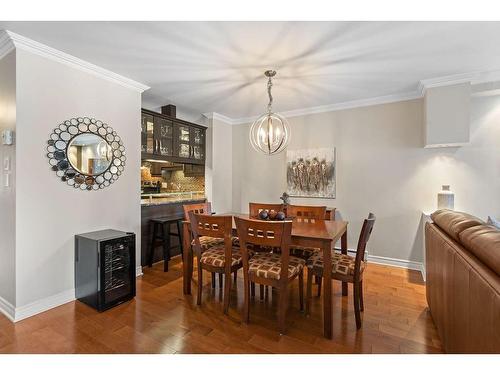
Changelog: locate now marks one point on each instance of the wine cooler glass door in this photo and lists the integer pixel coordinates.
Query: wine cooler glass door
(117, 271)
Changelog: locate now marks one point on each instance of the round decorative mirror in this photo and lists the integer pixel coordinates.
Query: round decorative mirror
(86, 153)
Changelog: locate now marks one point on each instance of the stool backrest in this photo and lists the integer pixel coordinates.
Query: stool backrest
(197, 208)
(255, 208)
(306, 213)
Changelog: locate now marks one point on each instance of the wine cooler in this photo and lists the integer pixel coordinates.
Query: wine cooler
(105, 268)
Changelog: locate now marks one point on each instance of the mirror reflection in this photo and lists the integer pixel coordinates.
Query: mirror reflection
(89, 154)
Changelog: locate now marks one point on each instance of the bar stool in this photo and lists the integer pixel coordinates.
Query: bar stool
(161, 232)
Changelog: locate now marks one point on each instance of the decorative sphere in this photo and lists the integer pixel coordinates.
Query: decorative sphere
(270, 133)
(280, 216)
(272, 214)
(263, 214)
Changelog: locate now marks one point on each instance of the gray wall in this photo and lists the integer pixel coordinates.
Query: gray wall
(382, 167)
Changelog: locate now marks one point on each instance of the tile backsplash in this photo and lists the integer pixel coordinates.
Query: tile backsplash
(177, 178)
(173, 180)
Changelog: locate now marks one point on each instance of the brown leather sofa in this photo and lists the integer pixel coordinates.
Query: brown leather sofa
(463, 281)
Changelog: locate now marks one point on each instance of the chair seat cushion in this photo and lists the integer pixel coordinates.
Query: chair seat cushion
(303, 251)
(268, 265)
(215, 256)
(341, 264)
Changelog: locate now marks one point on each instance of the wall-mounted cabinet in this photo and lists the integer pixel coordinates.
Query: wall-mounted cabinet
(167, 138)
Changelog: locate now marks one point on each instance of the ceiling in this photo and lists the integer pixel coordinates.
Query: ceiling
(218, 66)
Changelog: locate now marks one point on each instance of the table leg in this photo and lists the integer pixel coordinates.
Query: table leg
(327, 290)
(187, 259)
(343, 250)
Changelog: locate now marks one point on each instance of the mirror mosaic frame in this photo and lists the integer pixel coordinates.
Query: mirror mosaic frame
(57, 151)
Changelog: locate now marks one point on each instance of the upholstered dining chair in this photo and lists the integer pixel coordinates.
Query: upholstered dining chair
(272, 269)
(344, 268)
(254, 209)
(222, 258)
(305, 214)
(206, 242)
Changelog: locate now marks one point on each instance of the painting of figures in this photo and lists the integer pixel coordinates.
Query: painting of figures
(311, 173)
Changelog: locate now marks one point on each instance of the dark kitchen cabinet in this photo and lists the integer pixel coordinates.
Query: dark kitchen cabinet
(147, 134)
(189, 143)
(164, 136)
(171, 139)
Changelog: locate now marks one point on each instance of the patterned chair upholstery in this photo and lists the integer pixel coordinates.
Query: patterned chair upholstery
(268, 265)
(304, 252)
(215, 256)
(341, 264)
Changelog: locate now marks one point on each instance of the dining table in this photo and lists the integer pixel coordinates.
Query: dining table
(321, 234)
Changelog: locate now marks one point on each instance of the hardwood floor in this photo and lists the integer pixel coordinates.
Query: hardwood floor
(162, 320)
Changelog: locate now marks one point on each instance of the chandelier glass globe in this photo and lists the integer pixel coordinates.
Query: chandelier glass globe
(270, 133)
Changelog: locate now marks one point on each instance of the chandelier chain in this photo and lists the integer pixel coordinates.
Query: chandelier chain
(269, 87)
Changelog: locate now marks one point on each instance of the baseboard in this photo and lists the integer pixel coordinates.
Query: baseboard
(44, 304)
(37, 307)
(394, 262)
(422, 270)
(7, 309)
(138, 271)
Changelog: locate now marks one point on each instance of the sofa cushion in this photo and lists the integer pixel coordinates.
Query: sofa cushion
(453, 222)
(484, 242)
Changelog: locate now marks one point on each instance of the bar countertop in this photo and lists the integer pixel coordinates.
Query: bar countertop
(171, 198)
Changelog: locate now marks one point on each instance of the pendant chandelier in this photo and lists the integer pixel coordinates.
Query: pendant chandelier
(270, 133)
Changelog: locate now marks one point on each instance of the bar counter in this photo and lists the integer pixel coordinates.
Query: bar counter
(161, 206)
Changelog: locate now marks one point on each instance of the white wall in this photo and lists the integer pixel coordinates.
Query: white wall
(49, 212)
(7, 194)
(382, 167)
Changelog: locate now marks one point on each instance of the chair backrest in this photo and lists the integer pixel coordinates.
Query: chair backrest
(255, 208)
(265, 233)
(330, 214)
(211, 226)
(197, 208)
(364, 236)
(306, 213)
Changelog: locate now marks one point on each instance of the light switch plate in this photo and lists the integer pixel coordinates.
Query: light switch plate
(6, 180)
(6, 164)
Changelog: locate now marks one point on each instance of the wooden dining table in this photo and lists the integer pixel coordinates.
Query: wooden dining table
(322, 234)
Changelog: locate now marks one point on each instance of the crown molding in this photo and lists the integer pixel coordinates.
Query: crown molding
(339, 106)
(474, 78)
(10, 40)
(6, 44)
(218, 116)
